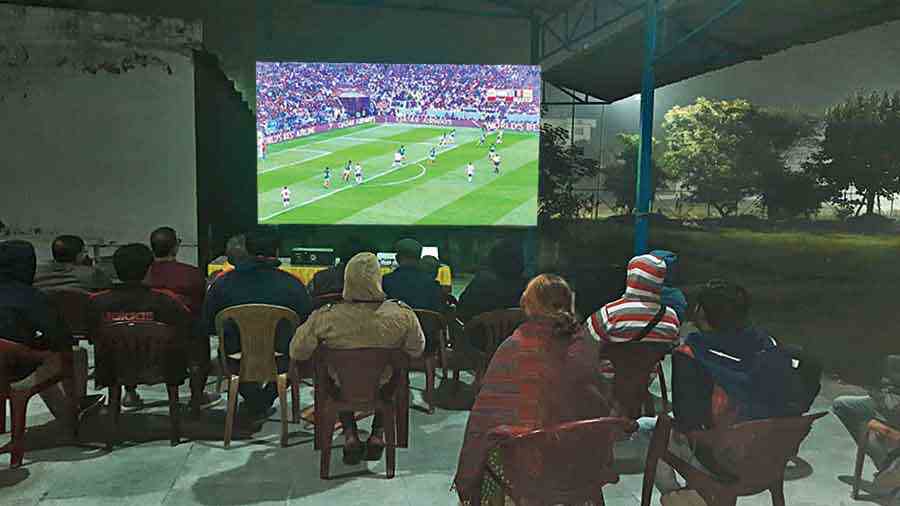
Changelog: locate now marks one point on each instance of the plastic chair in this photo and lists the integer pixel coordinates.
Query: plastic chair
(564, 464)
(140, 353)
(489, 330)
(358, 388)
(436, 331)
(634, 364)
(257, 324)
(743, 459)
(72, 303)
(15, 356)
(873, 427)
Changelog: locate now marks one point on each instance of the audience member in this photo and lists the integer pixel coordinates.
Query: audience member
(625, 319)
(167, 273)
(70, 268)
(256, 279)
(408, 283)
(498, 286)
(364, 320)
(132, 300)
(331, 280)
(882, 404)
(28, 317)
(671, 296)
(236, 249)
(543, 375)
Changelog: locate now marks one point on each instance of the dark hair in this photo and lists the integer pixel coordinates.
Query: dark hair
(163, 241)
(66, 248)
(262, 244)
(725, 305)
(507, 260)
(132, 261)
(549, 297)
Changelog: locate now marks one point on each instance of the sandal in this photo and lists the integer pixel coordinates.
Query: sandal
(353, 453)
(375, 449)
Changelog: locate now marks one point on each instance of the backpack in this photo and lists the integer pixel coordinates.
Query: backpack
(785, 382)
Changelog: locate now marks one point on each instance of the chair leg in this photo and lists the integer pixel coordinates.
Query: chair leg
(233, 382)
(282, 399)
(3, 401)
(294, 378)
(390, 441)
(777, 492)
(429, 383)
(860, 460)
(115, 409)
(174, 415)
(19, 407)
(325, 419)
(659, 444)
(402, 418)
(663, 391)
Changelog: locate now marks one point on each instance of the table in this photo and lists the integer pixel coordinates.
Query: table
(305, 273)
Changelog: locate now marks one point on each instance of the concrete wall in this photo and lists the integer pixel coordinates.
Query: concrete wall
(97, 124)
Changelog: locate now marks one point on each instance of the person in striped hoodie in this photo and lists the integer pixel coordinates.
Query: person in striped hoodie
(624, 320)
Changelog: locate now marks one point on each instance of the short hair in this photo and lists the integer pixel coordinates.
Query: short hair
(163, 241)
(725, 305)
(262, 244)
(132, 261)
(67, 247)
(408, 249)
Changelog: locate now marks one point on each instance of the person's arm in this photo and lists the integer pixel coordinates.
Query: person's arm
(305, 342)
(211, 307)
(50, 328)
(414, 341)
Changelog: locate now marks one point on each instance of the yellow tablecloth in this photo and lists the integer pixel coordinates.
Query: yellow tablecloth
(305, 273)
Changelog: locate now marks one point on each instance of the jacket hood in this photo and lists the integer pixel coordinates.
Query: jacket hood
(646, 275)
(17, 262)
(671, 260)
(362, 279)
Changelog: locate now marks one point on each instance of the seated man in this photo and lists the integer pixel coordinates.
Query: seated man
(256, 279)
(715, 380)
(409, 284)
(28, 317)
(132, 300)
(498, 286)
(70, 268)
(882, 404)
(363, 320)
(670, 295)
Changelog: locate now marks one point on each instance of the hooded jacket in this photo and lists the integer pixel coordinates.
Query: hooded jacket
(624, 319)
(26, 314)
(671, 296)
(363, 320)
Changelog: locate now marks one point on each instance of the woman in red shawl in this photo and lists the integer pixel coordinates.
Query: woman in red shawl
(543, 375)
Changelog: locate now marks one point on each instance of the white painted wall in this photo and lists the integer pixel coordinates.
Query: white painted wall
(97, 124)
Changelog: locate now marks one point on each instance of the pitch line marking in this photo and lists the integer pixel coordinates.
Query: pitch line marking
(282, 166)
(303, 148)
(417, 176)
(329, 194)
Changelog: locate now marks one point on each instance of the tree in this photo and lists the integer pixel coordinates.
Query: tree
(860, 151)
(620, 179)
(707, 149)
(560, 168)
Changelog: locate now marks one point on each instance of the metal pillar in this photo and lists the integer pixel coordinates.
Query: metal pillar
(644, 185)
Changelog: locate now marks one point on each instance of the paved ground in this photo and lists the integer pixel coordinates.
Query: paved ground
(147, 471)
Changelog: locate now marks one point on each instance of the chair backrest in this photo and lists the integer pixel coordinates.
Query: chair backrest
(257, 325)
(433, 323)
(140, 352)
(72, 304)
(359, 373)
(564, 464)
(633, 363)
(753, 454)
(493, 327)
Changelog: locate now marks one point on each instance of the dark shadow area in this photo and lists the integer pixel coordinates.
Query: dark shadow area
(868, 492)
(12, 477)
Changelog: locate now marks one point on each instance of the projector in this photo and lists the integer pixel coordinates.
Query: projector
(312, 256)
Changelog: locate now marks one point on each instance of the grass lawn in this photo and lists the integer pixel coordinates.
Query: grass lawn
(834, 294)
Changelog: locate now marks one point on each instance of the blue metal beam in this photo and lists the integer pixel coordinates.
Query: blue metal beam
(733, 6)
(644, 190)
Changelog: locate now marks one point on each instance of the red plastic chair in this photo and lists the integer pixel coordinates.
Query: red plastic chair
(485, 333)
(15, 356)
(359, 372)
(634, 364)
(437, 333)
(564, 464)
(72, 305)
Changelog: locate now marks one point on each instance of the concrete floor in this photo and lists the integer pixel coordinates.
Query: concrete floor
(147, 471)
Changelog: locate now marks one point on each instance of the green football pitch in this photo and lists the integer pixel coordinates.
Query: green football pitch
(414, 193)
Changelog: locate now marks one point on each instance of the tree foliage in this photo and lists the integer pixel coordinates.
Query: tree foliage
(561, 167)
(860, 150)
(620, 179)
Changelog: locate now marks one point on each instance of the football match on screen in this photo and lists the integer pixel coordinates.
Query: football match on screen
(397, 144)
